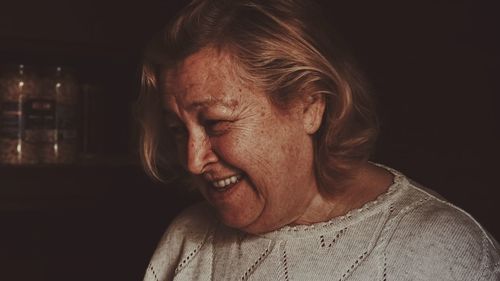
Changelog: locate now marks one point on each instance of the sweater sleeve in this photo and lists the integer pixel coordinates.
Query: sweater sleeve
(187, 233)
(438, 241)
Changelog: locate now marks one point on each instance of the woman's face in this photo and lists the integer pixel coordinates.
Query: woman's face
(255, 162)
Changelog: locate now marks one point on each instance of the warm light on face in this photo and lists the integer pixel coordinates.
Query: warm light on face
(256, 162)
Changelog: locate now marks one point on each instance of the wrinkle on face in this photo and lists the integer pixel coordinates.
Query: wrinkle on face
(270, 148)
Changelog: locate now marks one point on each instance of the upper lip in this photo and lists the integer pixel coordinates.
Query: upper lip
(218, 178)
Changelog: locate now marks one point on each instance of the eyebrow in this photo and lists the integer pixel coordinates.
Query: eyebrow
(208, 102)
(211, 101)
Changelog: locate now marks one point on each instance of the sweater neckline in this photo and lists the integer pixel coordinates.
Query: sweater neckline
(375, 206)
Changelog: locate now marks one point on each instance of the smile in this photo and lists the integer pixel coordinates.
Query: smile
(226, 183)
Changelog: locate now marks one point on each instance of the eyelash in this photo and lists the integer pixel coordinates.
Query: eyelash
(211, 127)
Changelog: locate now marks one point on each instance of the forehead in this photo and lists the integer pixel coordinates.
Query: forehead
(203, 79)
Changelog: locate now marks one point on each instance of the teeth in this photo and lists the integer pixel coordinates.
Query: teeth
(225, 182)
(233, 179)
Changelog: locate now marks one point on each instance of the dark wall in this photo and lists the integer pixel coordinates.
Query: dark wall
(433, 66)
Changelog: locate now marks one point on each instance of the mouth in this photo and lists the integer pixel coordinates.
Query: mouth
(224, 184)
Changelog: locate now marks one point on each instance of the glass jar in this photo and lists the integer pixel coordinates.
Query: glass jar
(60, 86)
(18, 84)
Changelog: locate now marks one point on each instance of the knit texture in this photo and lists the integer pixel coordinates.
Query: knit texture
(407, 233)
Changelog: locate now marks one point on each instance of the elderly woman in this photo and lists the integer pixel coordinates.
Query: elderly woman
(271, 120)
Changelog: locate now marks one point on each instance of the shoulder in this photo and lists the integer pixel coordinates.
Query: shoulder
(434, 235)
(189, 228)
(187, 233)
(193, 221)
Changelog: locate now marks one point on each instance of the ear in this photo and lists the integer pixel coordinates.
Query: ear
(312, 114)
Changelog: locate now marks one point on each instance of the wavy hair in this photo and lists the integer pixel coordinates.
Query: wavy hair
(283, 47)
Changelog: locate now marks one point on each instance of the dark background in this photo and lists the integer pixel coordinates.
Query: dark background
(433, 66)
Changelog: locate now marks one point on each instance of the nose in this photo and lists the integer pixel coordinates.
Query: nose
(199, 153)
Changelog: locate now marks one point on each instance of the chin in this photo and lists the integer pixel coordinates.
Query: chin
(241, 221)
(246, 225)
(232, 220)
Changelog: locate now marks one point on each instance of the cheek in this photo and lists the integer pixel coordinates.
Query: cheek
(232, 150)
(254, 153)
(242, 146)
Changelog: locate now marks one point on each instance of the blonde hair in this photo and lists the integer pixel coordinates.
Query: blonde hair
(282, 47)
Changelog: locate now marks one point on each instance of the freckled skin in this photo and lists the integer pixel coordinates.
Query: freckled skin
(272, 150)
(250, 137)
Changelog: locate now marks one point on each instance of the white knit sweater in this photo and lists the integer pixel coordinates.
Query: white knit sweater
(406, 234)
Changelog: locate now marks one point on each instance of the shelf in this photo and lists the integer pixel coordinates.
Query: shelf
(82, 185)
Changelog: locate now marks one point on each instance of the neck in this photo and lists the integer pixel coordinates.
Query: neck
(368, 183)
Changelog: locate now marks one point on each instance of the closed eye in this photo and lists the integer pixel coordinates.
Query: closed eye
(217, 127)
